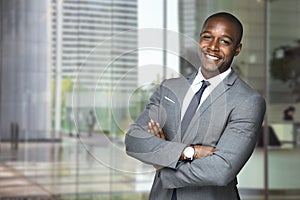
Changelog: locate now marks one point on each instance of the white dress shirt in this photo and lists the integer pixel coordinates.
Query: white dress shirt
(196, 85)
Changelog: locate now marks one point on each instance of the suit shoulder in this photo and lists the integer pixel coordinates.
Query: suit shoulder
(245, 90)
(175, 81)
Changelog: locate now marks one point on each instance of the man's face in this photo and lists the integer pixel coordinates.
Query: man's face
(217, 46)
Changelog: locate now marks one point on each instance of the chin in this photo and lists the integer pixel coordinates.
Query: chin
(209, 73)
(211, 69)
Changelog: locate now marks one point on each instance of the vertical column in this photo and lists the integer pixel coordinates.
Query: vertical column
(58, 70)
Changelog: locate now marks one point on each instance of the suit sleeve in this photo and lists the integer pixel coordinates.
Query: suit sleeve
(232, 151)
(147, 147)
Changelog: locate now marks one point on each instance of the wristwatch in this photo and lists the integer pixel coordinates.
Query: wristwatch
(189, 153)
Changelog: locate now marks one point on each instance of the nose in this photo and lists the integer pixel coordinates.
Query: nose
(213, 45)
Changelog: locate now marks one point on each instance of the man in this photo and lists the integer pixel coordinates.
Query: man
(91, 120)
(199, 158)
(288, 114)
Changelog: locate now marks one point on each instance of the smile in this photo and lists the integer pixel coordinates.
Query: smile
(212, 57)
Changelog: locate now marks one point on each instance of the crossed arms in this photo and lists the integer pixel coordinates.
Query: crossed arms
(200, 150)
(217, 166)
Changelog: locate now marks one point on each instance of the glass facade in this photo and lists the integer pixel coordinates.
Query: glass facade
(62, 59)
(282, 90)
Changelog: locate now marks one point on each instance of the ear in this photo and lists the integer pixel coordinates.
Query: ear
(238, 49)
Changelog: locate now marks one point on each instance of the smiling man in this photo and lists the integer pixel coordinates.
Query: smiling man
(219, 43)
(199, 131)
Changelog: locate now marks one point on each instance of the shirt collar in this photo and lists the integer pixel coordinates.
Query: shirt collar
(214, 80)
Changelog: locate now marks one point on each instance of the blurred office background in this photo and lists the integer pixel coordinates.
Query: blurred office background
(64, 59)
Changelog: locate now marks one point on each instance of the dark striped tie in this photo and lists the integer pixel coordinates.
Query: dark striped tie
(190, 112)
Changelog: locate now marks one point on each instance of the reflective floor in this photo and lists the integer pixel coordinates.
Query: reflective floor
(97, 168)
(83, 167)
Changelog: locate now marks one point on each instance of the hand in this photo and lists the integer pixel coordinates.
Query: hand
(154, 128)
(203, 151)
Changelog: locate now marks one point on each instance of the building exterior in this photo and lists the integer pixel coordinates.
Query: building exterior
(94, 43)
(85, 39)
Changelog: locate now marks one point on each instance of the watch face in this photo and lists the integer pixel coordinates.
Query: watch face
(189, 152)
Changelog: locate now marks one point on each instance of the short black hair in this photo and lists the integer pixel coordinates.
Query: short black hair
(229, 17)
(290, 108)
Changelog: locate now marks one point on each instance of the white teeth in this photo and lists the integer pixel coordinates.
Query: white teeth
(212, 57)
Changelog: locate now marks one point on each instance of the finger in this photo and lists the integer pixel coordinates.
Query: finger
(159, 130)
(149, 124)
(155, 132)
(162, 135)
(149, 127)
(150, 130)
(152, 122)
(155, 129)
(152, 127)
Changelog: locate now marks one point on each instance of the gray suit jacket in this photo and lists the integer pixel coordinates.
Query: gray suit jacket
(229, 119)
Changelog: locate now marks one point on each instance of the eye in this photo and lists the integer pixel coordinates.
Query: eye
(206, 37)
(226, 42)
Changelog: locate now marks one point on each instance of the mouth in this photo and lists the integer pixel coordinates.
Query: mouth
(212, 57)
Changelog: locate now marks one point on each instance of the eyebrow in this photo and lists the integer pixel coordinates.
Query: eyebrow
(226, 36)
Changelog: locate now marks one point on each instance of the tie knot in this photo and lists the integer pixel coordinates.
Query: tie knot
(205, 84)
(203, 87)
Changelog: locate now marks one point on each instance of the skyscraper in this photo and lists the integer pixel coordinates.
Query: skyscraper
(94, 44)
(86, 40)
